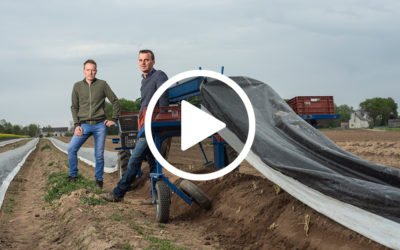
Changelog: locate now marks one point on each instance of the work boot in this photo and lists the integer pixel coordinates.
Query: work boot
(111, 197)
(99, 184)
(72, 179)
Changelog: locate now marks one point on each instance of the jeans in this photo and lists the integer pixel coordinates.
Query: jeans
(139, 153)
(99, 132)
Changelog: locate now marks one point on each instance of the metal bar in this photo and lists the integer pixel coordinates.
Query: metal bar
(177, 191)
(182, 90)
(204, 153)
(184, 97)
(157, 141)
(334, 116)
(121, 148)
(219, 161)
(165, 124)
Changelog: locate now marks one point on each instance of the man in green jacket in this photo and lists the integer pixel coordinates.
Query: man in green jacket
(88, 112)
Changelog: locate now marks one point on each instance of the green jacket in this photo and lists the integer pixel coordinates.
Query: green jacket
(88, 101)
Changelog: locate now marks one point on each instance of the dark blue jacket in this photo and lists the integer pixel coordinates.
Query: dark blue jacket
(150, 84)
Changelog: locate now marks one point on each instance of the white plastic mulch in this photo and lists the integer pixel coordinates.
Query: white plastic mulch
(87, 155)
(11, 162)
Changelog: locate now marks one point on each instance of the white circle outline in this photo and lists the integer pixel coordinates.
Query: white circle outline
(250, 136)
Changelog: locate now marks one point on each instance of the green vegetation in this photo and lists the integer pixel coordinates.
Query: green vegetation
(45, 147)
(161, 244)
(125, 105)
(195, 100)
(58, 184)
(17, 130)
(157, 243)
(127, 246)
(10, 206)
(380, 110)
(392, 129)
(345, 112)
(93, 200)
(51, 164)
(116, 218)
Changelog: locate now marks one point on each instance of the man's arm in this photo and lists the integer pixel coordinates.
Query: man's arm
(75, 106)
(74, 110)
(163, 101)
(115, 103)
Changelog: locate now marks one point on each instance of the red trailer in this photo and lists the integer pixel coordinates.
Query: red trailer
(313, 108)
(312, 105)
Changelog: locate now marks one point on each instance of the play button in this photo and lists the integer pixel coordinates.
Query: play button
(196, 125)
(191, 116)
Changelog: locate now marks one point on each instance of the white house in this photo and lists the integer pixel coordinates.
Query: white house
(358, 121)
(60, 131)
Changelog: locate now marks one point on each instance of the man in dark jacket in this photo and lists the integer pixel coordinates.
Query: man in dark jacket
(88, 112)
(152, 80)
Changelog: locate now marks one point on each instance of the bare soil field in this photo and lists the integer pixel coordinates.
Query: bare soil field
(248, 211)
(377, 146)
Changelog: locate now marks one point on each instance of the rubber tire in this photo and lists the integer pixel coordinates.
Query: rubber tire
(198, 195)
(123, 159)
(165, 147)
(163, 201)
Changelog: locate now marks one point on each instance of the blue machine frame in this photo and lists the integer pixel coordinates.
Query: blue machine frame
(182, 91)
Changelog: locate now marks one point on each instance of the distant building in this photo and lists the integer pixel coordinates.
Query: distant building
(394, 123)
(358, 121)
(344, 125)
(60, 131)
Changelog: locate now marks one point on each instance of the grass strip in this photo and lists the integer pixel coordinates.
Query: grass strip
(45, 147)
(58, 184)
(158, 243)
(93, 200)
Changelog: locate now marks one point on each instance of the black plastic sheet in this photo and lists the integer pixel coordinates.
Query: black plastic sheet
(291, 146)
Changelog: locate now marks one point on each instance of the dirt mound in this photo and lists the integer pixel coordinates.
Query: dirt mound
(249, 212)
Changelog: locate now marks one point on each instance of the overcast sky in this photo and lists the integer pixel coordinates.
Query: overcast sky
(345, 48)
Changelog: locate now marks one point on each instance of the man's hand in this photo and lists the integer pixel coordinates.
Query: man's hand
(109, 123)
(78, 131)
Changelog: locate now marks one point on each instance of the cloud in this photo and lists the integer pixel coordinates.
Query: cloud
(344, 48)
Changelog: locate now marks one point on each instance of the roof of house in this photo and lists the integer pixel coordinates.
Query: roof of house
(57, 129)
(360, 116)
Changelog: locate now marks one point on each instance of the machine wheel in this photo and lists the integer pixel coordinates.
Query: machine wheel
(163, 201)
(198, 195)
(123, 159)
(165, 147)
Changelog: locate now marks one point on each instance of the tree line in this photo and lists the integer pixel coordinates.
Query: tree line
(378, 110)
(8, 128)
(125, 105)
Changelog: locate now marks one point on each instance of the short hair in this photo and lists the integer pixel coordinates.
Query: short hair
(144, 51)
(91, 61)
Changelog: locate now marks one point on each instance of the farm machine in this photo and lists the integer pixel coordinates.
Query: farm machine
(166, 123)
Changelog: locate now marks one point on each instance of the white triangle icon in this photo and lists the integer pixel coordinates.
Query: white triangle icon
(196, 125)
